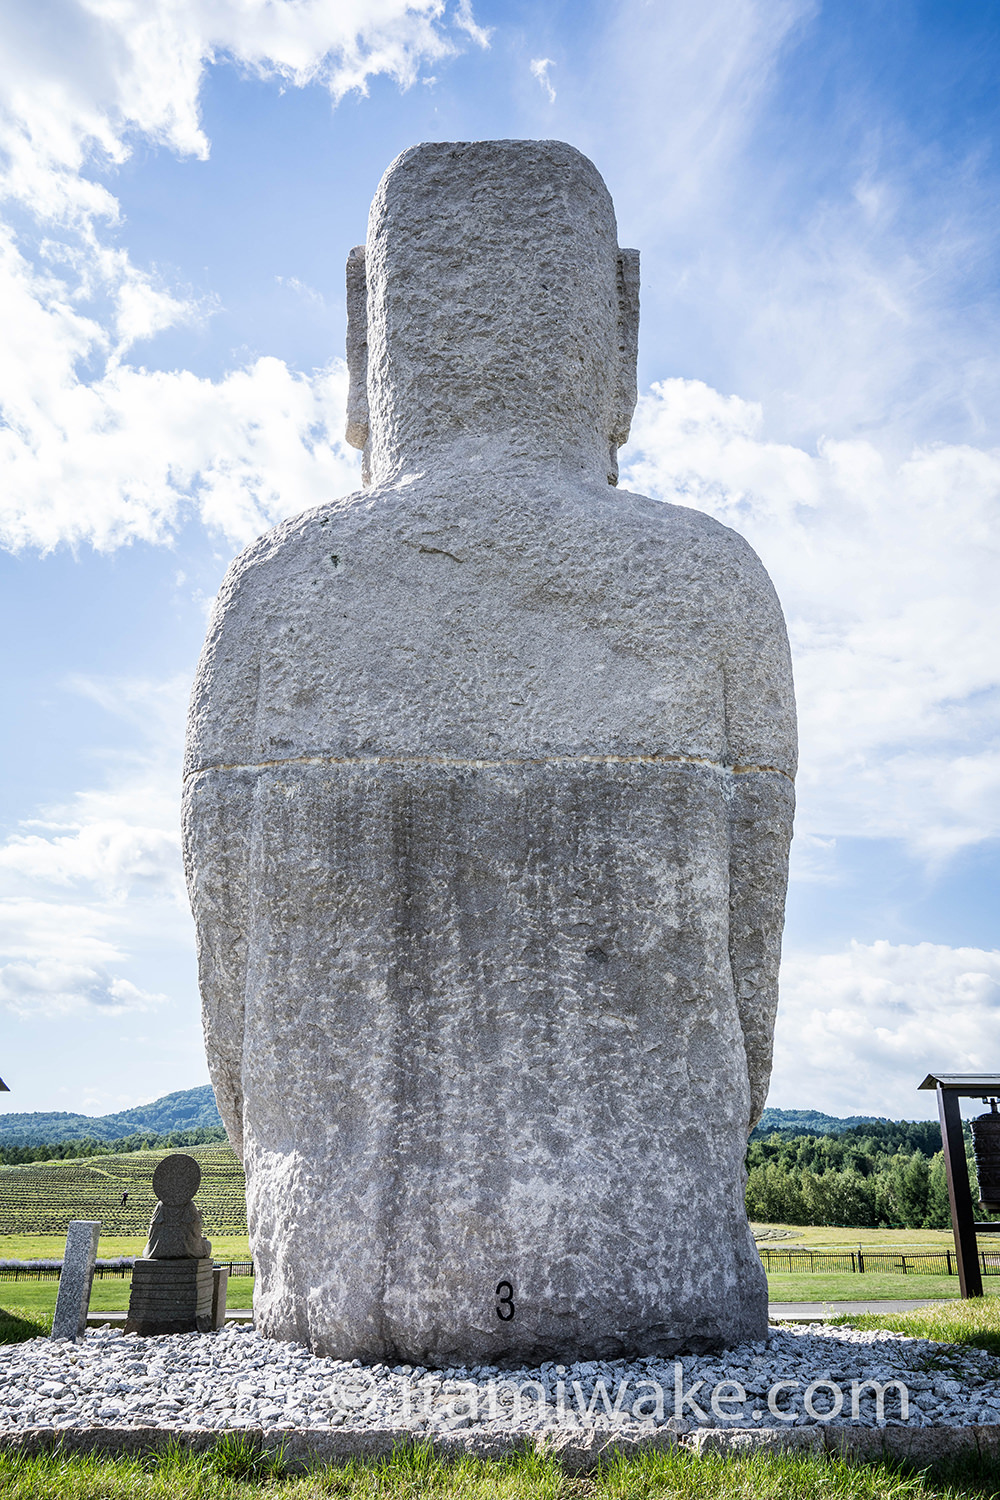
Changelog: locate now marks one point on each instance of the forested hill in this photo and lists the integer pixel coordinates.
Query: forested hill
(804, 1167)
(190, 1109)
(888, 1174)
(809, 1122)
(194, 1109)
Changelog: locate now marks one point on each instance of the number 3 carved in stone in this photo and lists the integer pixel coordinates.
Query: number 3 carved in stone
(505, 1301)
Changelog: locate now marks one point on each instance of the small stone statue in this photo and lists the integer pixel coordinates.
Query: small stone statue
(175, 1229)
(173, 1282)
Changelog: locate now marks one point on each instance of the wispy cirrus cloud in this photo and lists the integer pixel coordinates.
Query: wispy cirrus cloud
(540, 70)
(826, 258)
(51, 987)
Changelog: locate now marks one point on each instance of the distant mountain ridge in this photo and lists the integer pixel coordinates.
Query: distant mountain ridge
(812, 1122)
(189, 1109)
(195, 1109)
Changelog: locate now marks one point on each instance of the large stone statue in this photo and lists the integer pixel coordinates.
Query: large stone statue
(488, 802)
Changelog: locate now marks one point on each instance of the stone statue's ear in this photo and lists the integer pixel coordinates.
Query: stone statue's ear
(357, 348)
(626, 391)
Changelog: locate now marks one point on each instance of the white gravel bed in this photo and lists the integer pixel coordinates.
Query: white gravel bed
(237, 1379)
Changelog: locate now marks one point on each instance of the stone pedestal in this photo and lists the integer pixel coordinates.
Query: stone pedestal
(171, 1296)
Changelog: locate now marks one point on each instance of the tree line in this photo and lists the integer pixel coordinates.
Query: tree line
(17, 1156)
(886, 1175)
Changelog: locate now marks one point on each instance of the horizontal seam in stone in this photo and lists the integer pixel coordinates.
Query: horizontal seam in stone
(484, 763)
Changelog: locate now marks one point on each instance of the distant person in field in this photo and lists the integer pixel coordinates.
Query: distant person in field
(124, 1200)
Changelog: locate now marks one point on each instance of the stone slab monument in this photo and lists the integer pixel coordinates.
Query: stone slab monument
(172, 1282)
(76, 1279)
(487, 811)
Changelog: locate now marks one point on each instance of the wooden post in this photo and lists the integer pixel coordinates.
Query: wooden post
(959, 1193)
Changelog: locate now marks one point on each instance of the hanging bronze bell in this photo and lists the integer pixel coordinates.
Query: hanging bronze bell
(986, 1145)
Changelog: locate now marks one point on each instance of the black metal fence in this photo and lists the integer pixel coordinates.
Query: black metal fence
(104, 1273)
(860, 1262)
(880, 1262)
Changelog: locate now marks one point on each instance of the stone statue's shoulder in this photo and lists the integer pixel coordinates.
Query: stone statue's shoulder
(684, 538)
(289, 546)
(718, 571)
(276, 577)
(683, 521)
(287, 572)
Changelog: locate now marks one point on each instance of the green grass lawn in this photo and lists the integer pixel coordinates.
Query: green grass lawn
(39, 1297)
(827, 1237)
(784, 1286)
(975, 1322)
(20, 1323)
(235, 1471)
(794, 1286)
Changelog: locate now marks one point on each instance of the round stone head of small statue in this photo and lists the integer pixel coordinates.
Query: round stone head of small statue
(175, 1232)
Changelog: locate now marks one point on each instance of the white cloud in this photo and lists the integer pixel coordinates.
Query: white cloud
(887, 574)
(466, 21)
(540, 69)
(111, 853)
(59, 957)
(121, 840)
(124, 456)
(860, 1029)
(31, 929)
(49, 988)
(83, 78)
(847, 319)
(83, 884)
(302, 289)
(92, 448)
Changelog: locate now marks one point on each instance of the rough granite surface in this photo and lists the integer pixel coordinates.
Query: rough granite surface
(487, 808)
(171, 1296)
(76, 1278)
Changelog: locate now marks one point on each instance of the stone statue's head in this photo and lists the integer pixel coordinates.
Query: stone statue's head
(492, 317)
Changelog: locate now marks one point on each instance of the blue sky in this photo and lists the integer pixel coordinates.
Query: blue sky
(813, 188)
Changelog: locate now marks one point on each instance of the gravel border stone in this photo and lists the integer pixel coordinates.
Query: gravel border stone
(863, 1395)
(578, 1453)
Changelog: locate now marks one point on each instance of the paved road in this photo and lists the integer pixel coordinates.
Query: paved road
(819, 1312)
